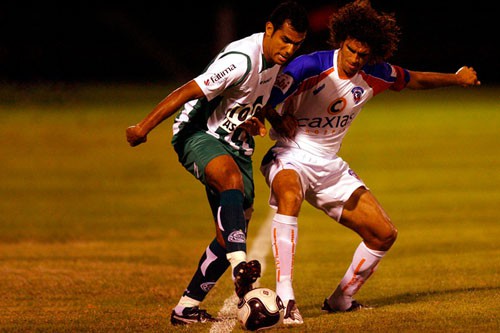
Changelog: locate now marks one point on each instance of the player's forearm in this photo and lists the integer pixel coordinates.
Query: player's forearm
(138, 133)
(465, 76)
(154, 118)
(431, 80)
(169, 105)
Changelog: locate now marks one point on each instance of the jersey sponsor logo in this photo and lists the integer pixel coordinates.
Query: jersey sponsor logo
(337, 105)
(239, 114)
(357, 93)
(218, 76)
(236, 237)
(326, 122)
(206, 286)
(283, 82)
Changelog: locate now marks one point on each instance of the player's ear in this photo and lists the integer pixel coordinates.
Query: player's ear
(269, 29)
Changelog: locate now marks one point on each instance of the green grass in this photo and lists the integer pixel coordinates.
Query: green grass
(96, 236)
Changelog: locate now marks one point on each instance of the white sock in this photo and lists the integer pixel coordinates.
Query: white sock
(185, 302)
(363, 265)
(284, 241)
(235, 258)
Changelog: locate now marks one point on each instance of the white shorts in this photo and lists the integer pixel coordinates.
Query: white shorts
(326, 183)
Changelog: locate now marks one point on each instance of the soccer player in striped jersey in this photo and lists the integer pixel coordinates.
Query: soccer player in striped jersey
(314, 102)
(212, 135)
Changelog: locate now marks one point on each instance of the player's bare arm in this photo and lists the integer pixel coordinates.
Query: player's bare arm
(137, 134)
(465, 76)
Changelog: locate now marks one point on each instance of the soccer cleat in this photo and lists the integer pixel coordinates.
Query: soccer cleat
(355, 306)
(190, 316)
(245, 273)
(292, 314)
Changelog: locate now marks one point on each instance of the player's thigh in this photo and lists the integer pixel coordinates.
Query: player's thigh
(223, 173)
(333, 187)
(196, 152)
(286, 175)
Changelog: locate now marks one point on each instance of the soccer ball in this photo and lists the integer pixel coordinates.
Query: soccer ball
(260, 308)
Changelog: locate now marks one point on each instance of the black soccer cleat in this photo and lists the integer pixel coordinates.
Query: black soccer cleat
(190, 316)
(245, 274)
(355, 306)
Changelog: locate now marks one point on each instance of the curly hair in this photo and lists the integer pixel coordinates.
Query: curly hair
(360, 21)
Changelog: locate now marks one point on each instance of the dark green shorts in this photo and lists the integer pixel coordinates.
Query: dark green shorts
(196, 151)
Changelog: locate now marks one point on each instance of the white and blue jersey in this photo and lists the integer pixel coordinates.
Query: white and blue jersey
(236, 84)
(325, 105)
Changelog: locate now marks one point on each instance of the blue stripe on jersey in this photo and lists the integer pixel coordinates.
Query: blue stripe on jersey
(384, 72)
(310, 65)
(300, 69)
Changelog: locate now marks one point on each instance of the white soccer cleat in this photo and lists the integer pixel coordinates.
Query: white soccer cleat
(292, 314)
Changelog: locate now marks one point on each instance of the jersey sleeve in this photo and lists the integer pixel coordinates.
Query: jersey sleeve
(385, 76)
(227, 70)
(290, 78)
(402, 78)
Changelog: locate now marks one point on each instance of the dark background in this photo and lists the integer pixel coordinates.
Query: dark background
(146, 41)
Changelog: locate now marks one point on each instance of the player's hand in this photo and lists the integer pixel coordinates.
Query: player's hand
(467, 76)
(254, 127)
(135, 136)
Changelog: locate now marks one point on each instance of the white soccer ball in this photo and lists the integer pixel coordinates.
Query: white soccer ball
(260, 308)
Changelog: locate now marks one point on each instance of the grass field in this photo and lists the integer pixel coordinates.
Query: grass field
(96, 236)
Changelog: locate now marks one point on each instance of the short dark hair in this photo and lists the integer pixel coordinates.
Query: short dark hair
(290, 11)
(360, 21)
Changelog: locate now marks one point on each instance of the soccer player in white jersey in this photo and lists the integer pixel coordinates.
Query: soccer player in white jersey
(213, 139)
(314, 102)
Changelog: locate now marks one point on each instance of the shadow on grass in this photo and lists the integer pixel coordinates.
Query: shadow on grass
(408, 298)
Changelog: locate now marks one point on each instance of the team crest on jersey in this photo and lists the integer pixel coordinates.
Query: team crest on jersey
(357, 92)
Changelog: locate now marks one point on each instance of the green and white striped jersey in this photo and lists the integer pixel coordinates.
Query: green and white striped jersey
(236, 84)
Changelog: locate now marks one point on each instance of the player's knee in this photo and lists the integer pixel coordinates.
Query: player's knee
(233, 179)
(387, 238)
(224, 177)
(289, 202)
(393, 235)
